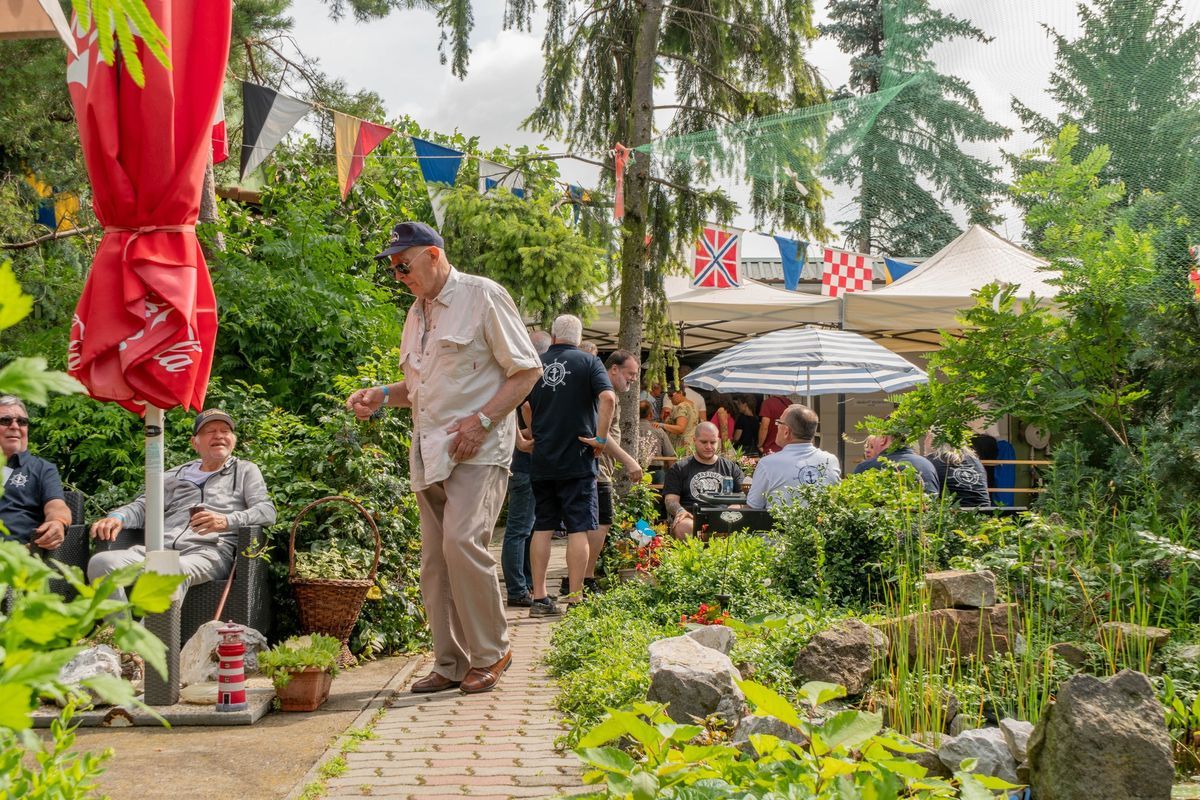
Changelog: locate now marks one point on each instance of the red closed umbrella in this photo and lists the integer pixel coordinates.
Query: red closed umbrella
(145, 325)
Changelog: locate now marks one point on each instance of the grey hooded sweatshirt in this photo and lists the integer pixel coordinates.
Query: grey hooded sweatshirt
(237, 490)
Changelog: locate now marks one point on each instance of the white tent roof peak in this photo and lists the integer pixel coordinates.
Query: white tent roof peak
(908, 313)
(977, 257)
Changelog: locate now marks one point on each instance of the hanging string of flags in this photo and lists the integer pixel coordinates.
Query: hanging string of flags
(269, 116)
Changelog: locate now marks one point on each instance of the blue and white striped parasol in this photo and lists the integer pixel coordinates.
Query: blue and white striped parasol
(808, 362)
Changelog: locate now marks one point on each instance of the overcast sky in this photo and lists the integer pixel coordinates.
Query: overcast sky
(397, 58)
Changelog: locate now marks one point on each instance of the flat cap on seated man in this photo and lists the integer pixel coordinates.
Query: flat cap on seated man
(32, 507)
(205, 501)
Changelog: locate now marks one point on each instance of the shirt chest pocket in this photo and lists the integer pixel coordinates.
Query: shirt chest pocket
(457, 354)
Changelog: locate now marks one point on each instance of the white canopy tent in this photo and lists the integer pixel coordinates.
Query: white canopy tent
(908, 314)
(713, 319)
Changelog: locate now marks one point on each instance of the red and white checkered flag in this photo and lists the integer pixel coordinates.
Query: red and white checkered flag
(845, 272)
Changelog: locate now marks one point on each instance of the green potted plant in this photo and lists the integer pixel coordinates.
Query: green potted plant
(302, 669)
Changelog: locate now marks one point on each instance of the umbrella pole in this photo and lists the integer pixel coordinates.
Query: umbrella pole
(154, 479)
(166, 626)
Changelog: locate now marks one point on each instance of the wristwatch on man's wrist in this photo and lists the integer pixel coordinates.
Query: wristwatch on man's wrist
(485, 422)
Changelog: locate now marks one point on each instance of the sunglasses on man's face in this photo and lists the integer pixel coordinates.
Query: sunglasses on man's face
(405, 267)
(22, 422)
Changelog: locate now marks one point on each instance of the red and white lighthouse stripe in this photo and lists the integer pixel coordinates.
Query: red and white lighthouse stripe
(231, 669)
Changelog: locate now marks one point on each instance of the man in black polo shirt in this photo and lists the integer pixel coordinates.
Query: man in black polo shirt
(571, 409)
(32, 508)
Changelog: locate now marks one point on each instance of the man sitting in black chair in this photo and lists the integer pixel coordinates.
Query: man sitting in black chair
(705, 473)
(33, 507)
(205, 501)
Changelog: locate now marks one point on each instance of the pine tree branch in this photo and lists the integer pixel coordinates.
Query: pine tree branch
(708, 15)
(49, 237)
(700, 67)
(701, 109)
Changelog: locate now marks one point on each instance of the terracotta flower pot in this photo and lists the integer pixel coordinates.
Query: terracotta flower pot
(306, 691)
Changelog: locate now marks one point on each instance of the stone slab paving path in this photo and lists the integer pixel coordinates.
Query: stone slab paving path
(495, 745)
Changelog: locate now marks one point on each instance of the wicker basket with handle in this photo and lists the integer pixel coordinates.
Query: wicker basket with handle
(331, 605)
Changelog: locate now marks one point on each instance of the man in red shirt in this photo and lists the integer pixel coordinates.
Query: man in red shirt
(772, 409)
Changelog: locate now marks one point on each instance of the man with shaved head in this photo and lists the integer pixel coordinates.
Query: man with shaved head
(705, 472)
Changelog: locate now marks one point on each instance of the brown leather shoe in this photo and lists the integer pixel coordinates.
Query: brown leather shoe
(484, 679)
(433, 682)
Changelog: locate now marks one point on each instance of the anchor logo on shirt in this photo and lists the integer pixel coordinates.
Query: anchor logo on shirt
(18, 479)
(555, 375)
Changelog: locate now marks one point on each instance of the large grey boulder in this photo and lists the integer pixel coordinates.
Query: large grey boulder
(986, 746)
(846, 654)
(751, 726)
(718, 637)
(1102, 738)
(694, 681)
(960, 589)
(198, 657)
(98, 660)
(1016, 736)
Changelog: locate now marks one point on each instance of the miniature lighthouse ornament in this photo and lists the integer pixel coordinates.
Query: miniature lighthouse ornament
(231, 671)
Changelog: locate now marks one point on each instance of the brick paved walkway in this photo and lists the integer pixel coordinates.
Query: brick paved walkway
(494, 745)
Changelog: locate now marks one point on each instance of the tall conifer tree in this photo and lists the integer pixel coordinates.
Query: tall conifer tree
(904, 155)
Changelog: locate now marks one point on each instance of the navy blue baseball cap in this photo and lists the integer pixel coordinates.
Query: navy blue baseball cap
(410, 234)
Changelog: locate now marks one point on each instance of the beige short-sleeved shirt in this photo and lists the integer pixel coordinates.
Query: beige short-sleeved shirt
(475, 342)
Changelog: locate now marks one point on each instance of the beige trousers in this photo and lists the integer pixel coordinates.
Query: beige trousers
(458, 574)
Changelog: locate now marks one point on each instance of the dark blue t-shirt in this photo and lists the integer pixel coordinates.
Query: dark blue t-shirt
(33, 483)
(906, 455)
(564, 404)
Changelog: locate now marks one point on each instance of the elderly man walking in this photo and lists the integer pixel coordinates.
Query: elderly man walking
(467, 362)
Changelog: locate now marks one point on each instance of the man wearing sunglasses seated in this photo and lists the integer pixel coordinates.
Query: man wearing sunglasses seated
(32, 508)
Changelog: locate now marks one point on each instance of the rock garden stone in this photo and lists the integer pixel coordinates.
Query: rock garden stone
(1074, 654)
(986, 746)
(1016, 735)
(718, 637)
(753, 726)
(927, 757)
(1117, 634)
(199, 694)
(694, 681)
(846, 654)
(98, 660)
(961, 589)
(1102, 738)
(198, 657)
(954, 633)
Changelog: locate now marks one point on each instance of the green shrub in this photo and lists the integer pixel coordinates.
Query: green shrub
(740, 566)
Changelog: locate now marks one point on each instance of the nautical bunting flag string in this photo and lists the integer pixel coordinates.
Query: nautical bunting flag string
(353, 140)
(492, 175)
(845, 272)
(439, 166)
(220, 137)
(792, 252)
(715, 258)
(894, 270)
(267, 118)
